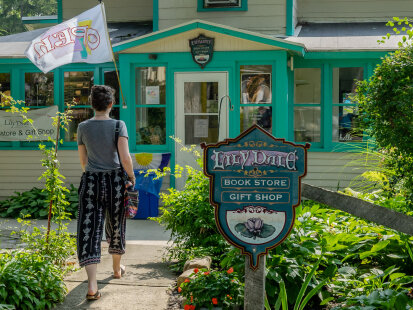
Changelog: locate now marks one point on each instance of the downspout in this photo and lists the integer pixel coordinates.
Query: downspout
(289, 18)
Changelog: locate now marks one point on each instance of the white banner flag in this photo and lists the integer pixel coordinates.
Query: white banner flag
(83, 38)
(12, 127)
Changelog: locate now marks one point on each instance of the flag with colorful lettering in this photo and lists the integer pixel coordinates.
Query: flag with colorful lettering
(83, 38)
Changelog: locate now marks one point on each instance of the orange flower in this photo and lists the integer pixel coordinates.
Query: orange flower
(187, 281)
(196, 270)
(229, 297)
(179, 289)
(214, 301)
(206, 273)
(192, 298)
(230, 270)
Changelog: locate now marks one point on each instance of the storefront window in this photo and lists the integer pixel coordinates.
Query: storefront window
(256, 84)
(150, 105)
(4, 85)
(77, 86)
(150, 126)
(111, 80)
(345, 113)
(38, 89)
(307, 104)
(79, 115)
(262, 116)
(150, 85)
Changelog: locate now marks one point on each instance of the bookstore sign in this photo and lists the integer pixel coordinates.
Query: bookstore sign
(13, 128)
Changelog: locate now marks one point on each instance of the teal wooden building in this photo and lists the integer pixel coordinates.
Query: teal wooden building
(289, 66)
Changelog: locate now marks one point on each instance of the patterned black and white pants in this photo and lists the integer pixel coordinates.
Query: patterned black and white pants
(101, 201)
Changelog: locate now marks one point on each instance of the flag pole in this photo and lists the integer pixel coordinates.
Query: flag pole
(124, 106)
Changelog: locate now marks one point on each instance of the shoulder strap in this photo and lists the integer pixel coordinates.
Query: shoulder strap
(117, 130)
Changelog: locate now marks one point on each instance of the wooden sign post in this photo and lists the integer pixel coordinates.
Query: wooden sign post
(255, 182)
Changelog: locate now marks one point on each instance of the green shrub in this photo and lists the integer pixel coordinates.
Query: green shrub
(29, 280)
(35, 203)
(190, 218)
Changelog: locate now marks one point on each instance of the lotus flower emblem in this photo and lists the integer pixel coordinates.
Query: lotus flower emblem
(255, 227)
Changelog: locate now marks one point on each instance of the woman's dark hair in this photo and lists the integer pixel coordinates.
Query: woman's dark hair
(101, 96)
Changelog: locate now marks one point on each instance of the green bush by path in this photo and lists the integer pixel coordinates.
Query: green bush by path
(34, 203)
(32, 278)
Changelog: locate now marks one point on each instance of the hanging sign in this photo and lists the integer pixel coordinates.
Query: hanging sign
(12, 127)
(255, 185)
(202, 49)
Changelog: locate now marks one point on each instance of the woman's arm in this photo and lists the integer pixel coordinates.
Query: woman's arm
(81, 148)
(125, 158)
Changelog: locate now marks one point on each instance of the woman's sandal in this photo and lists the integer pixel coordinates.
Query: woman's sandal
(122, 272)
(96, 296)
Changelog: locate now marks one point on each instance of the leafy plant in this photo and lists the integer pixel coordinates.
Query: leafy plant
(35, 203)
(212, 289)
(29, 280)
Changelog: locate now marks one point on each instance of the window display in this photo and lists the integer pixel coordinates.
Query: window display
(307, 104)
(38, 89)
(345, 113)
(4, 85)
(150, 90)
(262, 116)
(77, 86)
(256, 84)
(79, 115)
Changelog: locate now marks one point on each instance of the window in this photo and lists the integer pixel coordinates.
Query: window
(77, 86)
(38, 89)
(222, 5)
(256, 96)
(345, 113)
(4, 85)
(150, 105)
(307, 104)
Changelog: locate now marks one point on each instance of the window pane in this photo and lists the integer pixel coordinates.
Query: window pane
(78, 116)
(256, 84)
(201, 128)
(77, 87)
(111, 80)
(38, 89)
(150, 88)
(307, 88)
(307, 124)
(201, 97)
(261, 116)
(221, 3)
(150, 126)
(4, 85)
(344, 83)
(346, 124)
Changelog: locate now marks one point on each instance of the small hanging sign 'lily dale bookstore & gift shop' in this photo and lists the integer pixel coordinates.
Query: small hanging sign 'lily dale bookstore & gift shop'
(255, 185)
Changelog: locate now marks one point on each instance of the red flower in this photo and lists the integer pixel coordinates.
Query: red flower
(179, 289)
(189, 307)
(187, 281)
(229, 297)
(206, 273)
(192, 298)
(214, 301)
(230, 270)
(196, 270)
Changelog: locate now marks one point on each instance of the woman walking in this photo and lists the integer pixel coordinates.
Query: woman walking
(102, 187)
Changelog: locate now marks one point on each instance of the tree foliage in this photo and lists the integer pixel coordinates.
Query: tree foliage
(12, 11)
(386, 107)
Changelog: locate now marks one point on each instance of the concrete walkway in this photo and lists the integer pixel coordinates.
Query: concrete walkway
(145, 283)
